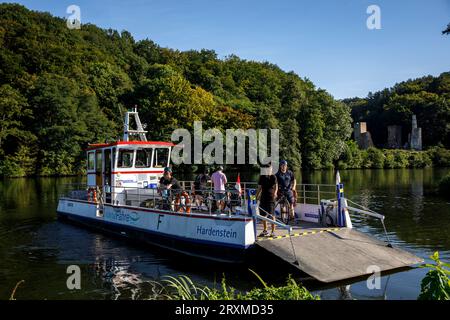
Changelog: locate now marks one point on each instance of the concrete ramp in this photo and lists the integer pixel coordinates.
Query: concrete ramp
(330, 255)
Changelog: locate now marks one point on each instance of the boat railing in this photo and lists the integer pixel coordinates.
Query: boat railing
(306, 193)
(184, 200)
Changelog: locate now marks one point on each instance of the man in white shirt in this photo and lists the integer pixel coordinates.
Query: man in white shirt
(219, 180)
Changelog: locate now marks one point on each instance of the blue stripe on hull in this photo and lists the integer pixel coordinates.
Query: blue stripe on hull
(192, 247)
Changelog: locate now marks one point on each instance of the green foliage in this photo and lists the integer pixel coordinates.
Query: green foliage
(376, 158)
(401, 159)
(420, 160)
(183, 288)
(440, 156)
(444, 186)
(19, 164)
(354, 158)
(436, 284)
(62, 89)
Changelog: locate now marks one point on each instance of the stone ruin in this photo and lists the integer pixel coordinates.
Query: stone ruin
(364, 139)
(362, 136)
(415, 137)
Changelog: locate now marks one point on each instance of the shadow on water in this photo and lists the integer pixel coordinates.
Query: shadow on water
(34, 246)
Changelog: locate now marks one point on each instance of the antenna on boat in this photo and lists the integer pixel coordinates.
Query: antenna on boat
(127, 132)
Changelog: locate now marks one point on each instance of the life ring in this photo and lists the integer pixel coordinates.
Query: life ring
(92, 195)
(187, 202)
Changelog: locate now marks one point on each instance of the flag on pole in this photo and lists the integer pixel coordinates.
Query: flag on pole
(238, 184)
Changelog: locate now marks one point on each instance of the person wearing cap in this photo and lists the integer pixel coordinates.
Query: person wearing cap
(286, 185)
(267, 190)
(219, 180)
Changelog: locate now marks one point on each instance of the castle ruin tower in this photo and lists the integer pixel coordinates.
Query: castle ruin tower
(416, 135)
(362, 136)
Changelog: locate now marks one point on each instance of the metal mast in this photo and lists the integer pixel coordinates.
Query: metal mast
(127, 132)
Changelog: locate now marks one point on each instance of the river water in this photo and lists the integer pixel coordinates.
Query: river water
(37, 248)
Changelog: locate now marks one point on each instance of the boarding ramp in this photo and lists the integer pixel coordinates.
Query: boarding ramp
(327, 252)
(333, 254)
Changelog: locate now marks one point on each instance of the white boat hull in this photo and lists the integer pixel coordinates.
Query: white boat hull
(213, 237)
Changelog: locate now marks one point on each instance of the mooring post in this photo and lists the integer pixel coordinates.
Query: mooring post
(252, 207)
(340, 198)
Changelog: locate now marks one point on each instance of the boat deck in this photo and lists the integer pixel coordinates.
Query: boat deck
(333, 254)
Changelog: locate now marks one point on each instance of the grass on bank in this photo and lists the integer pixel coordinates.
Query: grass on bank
(183, 288)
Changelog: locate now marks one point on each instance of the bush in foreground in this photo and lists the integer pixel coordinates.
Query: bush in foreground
(436, 284)
(182, 288)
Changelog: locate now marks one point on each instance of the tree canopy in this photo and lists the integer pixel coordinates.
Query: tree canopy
(62, 88)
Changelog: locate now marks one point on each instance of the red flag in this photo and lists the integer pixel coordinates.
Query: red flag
(238, 183)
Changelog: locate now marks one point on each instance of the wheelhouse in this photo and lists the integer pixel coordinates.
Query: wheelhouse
(113, 168)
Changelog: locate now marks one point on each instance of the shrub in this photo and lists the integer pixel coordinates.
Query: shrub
(389, 161)
(419, 160)
(439, 156)
(436, 284)
(19, 164)
(56, 163)
(376, 158)
(401, 159)
(352, 156)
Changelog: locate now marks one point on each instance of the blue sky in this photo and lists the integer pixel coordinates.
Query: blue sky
(325, 41)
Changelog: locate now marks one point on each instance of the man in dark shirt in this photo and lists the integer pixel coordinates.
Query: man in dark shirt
(286, 185)
(200, 186)
(168, 182)
(267, 189)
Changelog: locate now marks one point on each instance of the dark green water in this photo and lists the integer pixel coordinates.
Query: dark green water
(37, 248)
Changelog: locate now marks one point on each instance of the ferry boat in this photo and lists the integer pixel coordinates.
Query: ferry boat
(122, 197)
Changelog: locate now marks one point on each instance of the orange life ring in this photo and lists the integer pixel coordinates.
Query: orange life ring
(92, 195)
(178, 207)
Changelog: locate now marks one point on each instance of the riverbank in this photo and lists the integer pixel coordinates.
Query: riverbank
(352, 158)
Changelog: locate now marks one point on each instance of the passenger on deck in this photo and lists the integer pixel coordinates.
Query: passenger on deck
(168, 183)
(267, 190)
(286, 185)
(200, 186)
(219, 179)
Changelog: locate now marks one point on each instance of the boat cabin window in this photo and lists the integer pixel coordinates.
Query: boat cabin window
(125, 158)
(91, 161)
(98, 162)
(161, 157)
(143, 158)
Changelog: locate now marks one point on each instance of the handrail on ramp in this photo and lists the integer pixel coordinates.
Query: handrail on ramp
(281, 225)
(367, 212)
